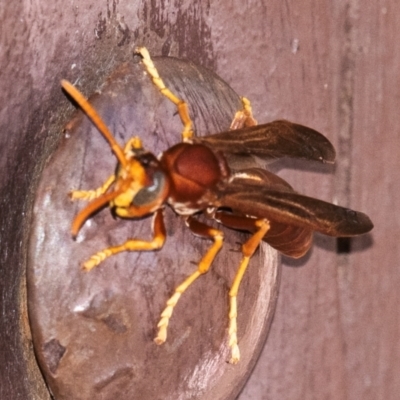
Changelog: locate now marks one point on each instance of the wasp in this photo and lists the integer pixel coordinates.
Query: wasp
(195, 177)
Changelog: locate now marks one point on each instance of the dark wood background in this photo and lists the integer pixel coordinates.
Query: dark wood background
(330, 65)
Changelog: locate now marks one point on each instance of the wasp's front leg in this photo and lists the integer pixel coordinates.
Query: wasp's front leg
(89, 195)
(156, 243)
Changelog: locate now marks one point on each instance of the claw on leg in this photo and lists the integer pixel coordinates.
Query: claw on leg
(243, 117)
(232, 331)
(96, 259)
(171, 303)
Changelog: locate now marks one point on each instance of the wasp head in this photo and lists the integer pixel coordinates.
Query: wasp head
(140, 186)
(141, 181)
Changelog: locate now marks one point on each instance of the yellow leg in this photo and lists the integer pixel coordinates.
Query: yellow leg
(243, 117)
(89, 195)
(248, 250)
(131, 245)
(133, 143)
(204, 265)
(181, 105)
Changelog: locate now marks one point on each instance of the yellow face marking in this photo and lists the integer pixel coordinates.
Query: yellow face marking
(130, 180)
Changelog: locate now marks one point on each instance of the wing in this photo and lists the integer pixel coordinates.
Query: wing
(267, 197)
(276, 139)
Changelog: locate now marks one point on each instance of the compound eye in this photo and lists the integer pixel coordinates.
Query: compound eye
(151, 193)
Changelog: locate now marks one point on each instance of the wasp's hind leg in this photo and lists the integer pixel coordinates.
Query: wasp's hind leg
(181, 105)
(260, 227)
(244, 117)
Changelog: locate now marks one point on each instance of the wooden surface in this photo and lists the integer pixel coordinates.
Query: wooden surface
(329, 65)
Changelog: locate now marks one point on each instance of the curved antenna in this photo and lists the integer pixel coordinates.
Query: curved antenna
(91, 208)
(95, 118)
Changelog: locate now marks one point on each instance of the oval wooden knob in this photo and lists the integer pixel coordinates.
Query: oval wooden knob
(93, 331)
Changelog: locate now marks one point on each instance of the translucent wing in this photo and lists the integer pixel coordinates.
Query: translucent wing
(271, 141)
(262, 194)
